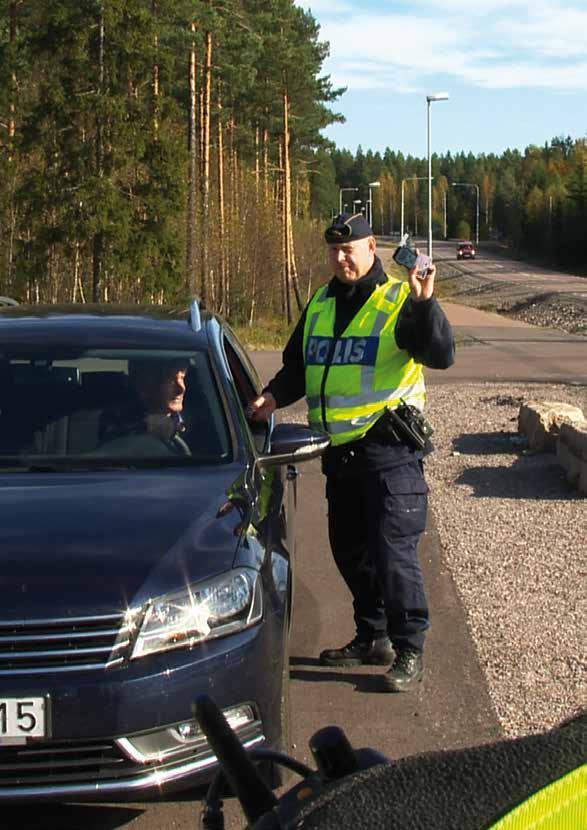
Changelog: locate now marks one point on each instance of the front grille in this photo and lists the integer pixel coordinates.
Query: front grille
(74, 643)
(60, 762)
(50, 764)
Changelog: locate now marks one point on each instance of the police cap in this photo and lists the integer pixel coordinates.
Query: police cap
(347, 227)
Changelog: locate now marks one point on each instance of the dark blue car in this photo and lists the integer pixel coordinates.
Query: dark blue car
(146, 547)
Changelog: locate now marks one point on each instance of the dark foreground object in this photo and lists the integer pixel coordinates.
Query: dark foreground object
(359, 789)
(467, 789)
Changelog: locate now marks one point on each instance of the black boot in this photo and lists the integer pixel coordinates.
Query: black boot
(406, 672)
(359, 652)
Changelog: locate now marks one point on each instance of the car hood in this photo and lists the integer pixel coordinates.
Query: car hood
(73, 544)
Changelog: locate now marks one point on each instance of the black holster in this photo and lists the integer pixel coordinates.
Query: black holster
(403, 425)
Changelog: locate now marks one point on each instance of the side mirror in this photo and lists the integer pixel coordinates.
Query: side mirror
(293, 443)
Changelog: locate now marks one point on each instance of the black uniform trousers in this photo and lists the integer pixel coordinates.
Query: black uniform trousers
(375, 521)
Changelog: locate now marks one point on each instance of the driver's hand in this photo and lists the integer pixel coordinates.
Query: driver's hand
(262, 407)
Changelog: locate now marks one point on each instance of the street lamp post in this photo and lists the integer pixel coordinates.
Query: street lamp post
(439, 96)
(407, 179)
(476, 186)
(340, 192)
(391, 216)
(355, 203)
(370, 202)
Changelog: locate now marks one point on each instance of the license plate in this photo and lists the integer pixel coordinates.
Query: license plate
(22, 718)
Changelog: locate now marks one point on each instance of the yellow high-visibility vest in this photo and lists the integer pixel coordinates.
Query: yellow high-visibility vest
(561, 805)
(350, 379)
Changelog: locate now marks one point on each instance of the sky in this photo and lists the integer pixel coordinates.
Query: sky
(515, 71)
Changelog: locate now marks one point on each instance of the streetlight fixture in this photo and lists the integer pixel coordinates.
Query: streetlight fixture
(476, 186)
(408, 179)
(355, 203)
(341, 191)
(438, 96)
(370, 202)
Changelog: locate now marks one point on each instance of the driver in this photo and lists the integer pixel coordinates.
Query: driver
(159, 385)
(155, 407)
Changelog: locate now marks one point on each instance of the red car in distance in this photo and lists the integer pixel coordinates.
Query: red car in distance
(466, 250)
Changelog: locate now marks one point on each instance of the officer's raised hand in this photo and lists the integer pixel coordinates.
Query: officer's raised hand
(262, 407)
(422, 286)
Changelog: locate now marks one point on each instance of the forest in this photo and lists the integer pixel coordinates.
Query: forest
(151, 150)
(534, 201)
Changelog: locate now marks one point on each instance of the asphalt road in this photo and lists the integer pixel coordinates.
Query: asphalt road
(452, 707)
(498, 348)
(494, 264)
(495, 348)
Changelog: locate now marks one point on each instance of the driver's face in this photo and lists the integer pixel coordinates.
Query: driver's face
(173, 392)
(163, 393)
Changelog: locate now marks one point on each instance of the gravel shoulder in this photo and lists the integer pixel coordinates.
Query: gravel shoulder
(513, 531)
(513, 536)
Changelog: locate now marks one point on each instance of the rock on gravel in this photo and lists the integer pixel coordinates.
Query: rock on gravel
(514, 536)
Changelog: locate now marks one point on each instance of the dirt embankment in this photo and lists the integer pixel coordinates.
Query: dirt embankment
(565, 312)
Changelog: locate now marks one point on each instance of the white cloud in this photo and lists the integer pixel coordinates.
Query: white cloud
(495, 51)
(549, 32)
(368, 77)
(478, 8)
(530, 76)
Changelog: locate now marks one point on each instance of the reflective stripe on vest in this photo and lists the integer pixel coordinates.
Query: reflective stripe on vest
(559, 806)
(350, 379)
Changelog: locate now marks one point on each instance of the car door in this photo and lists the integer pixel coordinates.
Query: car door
(277, 486)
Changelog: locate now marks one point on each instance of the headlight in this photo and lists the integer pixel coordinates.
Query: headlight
(222, 605)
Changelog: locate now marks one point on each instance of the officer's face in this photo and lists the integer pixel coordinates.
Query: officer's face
(352, 260)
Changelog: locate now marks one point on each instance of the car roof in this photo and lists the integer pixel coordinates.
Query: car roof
(105, 325)
(460, 244)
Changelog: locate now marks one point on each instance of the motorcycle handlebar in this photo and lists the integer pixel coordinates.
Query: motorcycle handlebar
(360, 789)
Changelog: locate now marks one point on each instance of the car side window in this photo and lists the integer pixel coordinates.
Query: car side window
(246, 388)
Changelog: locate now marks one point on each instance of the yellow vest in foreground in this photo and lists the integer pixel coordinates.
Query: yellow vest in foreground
(559, 806)
(350, 379)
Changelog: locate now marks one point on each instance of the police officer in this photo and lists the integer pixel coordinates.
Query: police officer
(358, 347)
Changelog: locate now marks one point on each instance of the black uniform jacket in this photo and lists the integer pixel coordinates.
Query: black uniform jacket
(422, 330)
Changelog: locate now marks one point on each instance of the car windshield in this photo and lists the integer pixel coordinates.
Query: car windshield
(110, 407)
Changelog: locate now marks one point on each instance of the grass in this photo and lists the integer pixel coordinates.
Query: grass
(267, 333)
(445, 288)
